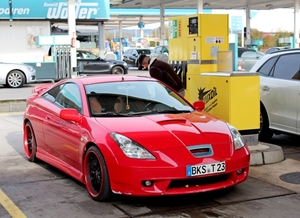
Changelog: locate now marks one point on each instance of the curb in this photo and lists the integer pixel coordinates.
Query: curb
(265, 153)
(12, 106)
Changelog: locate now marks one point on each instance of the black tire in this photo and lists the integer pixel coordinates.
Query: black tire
(265, 134)
(117, 70)
(29, 142)
(15, 79)
(96, 175)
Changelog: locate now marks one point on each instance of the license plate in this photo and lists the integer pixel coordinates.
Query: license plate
(204, 169)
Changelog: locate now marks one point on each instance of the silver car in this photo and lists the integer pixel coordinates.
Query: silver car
(161, 52)
(15, 75)
(279, 92)
(248, 57)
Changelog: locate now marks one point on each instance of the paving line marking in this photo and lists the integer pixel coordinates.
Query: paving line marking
(10, 207)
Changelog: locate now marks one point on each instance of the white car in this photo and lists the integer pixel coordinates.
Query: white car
(15, 75)
(279, 92)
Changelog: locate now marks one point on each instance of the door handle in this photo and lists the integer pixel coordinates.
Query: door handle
(265, 88)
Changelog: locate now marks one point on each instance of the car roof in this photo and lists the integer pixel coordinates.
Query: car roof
(85, 80)
(266, 57)
(285, 50)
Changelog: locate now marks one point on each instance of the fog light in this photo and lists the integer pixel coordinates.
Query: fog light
(147, 183)
(239, 172)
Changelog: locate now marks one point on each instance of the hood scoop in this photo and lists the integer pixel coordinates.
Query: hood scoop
(201, 151)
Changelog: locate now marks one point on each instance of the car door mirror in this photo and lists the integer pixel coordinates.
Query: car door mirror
(69, 114)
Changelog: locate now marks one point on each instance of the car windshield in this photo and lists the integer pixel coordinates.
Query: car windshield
(134, 98)
(88, 55)
(144, 51)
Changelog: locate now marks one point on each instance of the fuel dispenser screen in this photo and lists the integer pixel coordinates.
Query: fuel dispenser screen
(193, 25)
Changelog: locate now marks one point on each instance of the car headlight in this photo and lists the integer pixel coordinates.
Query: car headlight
(130, 148)
(238, 140)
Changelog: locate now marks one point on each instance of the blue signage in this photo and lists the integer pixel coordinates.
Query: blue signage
(236, 23)
(141, 24)
(54, 9)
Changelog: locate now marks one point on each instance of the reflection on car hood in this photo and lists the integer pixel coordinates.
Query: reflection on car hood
(14, 64)
(114, 61)
(175, 129)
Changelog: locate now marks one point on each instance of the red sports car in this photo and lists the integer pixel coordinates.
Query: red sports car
(132, 135)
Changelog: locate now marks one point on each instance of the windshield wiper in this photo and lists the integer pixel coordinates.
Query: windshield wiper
(111, 114)
(173, 111)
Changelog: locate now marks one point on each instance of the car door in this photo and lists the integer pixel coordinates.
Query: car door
(126, 56)
(63, 137)
(91, 64)
(280, 93)
(130, 58)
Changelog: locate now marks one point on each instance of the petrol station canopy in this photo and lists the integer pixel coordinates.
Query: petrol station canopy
(131, 19)
(214, 4)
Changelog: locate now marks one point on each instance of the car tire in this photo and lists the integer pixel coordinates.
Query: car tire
(96, 175)
(117, 70)
(29, 142)
(265, 134)
(15, 79)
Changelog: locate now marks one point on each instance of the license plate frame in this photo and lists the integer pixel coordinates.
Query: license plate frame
(205, 169)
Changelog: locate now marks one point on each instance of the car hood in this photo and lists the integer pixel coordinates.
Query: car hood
(165, 131)
(15, 65)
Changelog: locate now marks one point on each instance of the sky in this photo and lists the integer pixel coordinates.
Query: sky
(274, 20)
(263, 20)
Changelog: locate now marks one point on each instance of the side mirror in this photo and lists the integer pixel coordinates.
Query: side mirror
(199, 105)
(70, 114)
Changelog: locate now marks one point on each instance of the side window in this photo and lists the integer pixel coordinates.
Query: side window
(165, 50)
(69, 97)
(52, 93)
(287, 67)
(159, 50)
(265, 70)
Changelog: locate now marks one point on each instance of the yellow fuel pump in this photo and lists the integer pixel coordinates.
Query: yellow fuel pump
(200, 41)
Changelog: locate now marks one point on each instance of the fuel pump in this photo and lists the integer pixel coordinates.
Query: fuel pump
(202, 42)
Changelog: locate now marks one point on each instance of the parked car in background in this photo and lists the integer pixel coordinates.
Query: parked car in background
(270, 50)
(248, 57)
(91, 64)
(132, 55)
(15, 75)
(161, 52)
(157, 144)
(279, 92)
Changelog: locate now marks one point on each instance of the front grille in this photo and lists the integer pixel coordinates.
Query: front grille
(192, 182)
